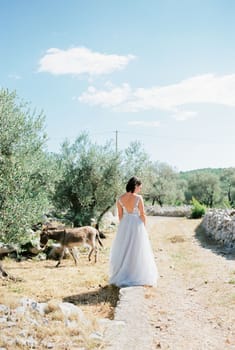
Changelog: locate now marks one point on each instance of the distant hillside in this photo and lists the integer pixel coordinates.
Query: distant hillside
(216, 171)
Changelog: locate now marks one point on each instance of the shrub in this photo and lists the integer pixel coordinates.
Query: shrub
(198, 210)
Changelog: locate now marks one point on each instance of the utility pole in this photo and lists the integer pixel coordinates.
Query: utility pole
(116, 132)
(115, 211)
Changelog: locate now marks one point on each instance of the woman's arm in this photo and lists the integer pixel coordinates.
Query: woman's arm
(120, 210)
(142, 211)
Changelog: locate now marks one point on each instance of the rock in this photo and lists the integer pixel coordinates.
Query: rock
(69, 310)
(96, 335)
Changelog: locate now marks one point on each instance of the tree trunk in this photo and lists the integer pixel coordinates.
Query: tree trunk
(160, 202)
(3, 273)
(229, 196)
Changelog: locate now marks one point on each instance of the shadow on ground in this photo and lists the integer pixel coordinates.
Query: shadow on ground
(209, 243)
(107, 294)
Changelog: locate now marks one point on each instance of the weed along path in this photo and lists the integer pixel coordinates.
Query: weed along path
(193, 307)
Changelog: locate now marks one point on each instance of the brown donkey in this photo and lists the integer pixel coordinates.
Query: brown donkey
(72, 237)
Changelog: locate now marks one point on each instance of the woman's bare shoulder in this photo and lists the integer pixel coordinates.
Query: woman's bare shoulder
(122, 196)
(140, 199)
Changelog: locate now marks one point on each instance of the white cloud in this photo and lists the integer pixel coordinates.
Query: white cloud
(113, 97)
(207, 88)
(152, 124)
(80, 60)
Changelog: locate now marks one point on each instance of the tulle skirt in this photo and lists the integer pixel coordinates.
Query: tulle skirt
(131, 258)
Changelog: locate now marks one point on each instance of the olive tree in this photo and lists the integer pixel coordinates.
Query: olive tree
(227, 180)
(136, 162)
(163, 186)
(90, 180)
(23, 168)
(205, 187)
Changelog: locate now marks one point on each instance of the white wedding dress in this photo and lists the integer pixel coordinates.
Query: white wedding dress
(131, 258)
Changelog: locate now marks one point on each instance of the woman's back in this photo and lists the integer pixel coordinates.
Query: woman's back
(129, 201)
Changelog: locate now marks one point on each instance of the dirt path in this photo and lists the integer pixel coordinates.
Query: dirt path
(193, 307)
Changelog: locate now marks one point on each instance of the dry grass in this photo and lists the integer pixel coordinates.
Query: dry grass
(85, 285)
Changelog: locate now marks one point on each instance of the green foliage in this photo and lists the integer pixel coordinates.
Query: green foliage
(198, 210)
(220, 194)
(204, 186)
(164, 187)
(216, 171)
(227, 184)
(90, 182)
(135, 162)
(23, 171)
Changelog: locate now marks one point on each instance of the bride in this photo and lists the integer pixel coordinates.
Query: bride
(131, 257)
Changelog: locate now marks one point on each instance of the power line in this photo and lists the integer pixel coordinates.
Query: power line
(141, 134)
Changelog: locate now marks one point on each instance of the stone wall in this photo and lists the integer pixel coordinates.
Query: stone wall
(220, 225)
(169, 211)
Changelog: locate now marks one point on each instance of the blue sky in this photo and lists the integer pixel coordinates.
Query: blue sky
(158, 71)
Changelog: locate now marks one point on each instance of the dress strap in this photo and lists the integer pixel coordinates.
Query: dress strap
(137, 202)
(119, 200)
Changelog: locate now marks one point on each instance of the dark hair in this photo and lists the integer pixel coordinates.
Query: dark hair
(132, 183)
